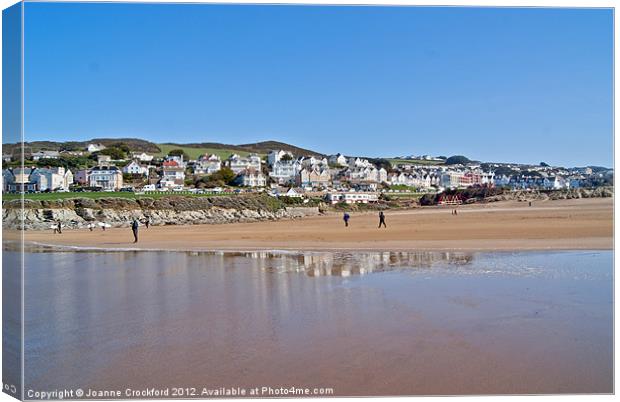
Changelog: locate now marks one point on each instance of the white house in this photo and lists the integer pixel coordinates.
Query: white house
(369, 174)
(176, 158)
(275, 156)
(284, 172)
(338, 159)
(352, 197)
(292, 193)
(238, 164)
(18, 180)
(410, 179)
(557, 182)
(313, 161)
(359, 163)
(251, 178)
(95, 147)
(172, 173)
(107, 177)
(135, 168)
(142, 157)
(207, 164)
(45, 155)
(56, 178)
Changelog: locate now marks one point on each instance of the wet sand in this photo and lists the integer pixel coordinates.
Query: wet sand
(561, 224)
(408, 324)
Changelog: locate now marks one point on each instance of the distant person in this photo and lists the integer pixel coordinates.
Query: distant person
(147, 222)
(382, 220)
(530, 203)
(58, 228)
(346, 218)
(134, 229)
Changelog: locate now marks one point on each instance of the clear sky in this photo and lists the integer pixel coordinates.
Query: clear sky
(521, 85)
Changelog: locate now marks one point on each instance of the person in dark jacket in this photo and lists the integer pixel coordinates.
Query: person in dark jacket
(134, 229)
(346, 218)
(382, 220)
(58, 228)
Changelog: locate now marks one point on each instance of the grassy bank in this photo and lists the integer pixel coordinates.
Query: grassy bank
(194, 153)
(101, 194)
(395, 162)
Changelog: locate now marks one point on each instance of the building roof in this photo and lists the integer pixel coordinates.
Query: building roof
(170, 163)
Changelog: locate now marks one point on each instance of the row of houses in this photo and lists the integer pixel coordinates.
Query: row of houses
(34, 179)
(286, 169)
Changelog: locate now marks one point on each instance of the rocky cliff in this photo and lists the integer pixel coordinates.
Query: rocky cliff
(119, 212)
(550, 195)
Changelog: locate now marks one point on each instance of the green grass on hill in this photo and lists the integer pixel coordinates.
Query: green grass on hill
(395, 162)
(194, 153)
(405, 195)
(103, 194)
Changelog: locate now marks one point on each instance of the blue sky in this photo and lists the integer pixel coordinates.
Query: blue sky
(523, 85)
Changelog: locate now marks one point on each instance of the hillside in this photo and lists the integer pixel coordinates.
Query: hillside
(195, 150)
(265, 146)
(138, 145)
(134, 144)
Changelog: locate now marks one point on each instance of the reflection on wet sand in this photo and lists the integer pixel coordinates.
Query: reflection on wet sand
(437, 323)
(354, 263)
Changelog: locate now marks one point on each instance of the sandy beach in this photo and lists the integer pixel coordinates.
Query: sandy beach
(560, 224)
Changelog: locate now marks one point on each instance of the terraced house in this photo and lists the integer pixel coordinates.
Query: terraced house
(315, 177)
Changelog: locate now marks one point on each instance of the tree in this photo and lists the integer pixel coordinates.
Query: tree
(72, 163)
(543, 164)
(286, 158)
(115, 153)
(457, 160)
(382, 163)
(122, 146)
(224, 175)
(179, 152)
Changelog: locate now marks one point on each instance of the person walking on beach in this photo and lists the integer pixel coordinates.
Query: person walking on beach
(134, 229)
(58, 228)
(147, 222)
(346, 218)
(382, 220)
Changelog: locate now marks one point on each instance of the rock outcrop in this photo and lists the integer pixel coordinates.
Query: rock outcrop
(119, 212)
(551, 194)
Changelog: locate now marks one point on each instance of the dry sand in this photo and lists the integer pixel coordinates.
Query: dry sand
(561, 224)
